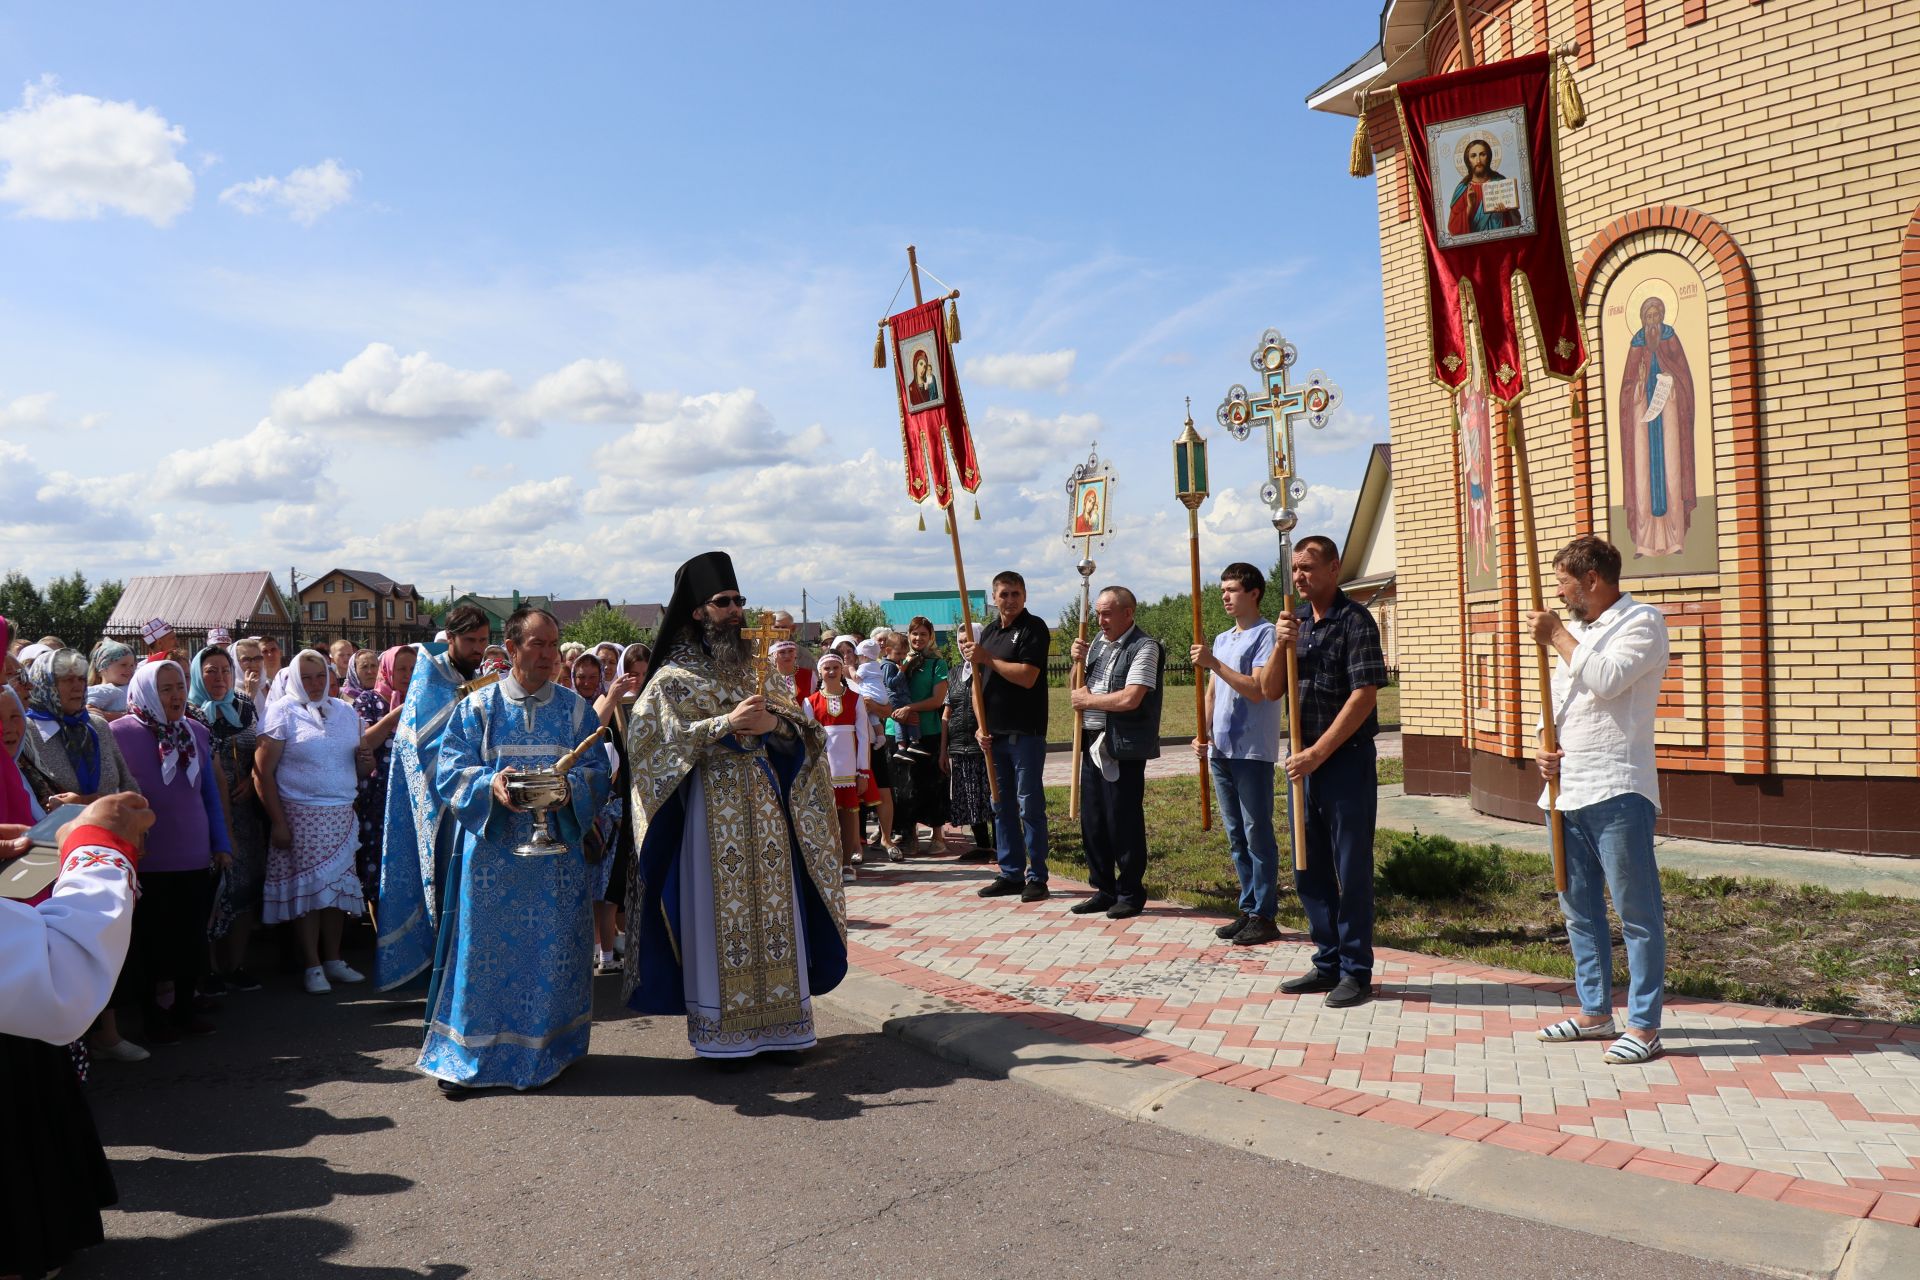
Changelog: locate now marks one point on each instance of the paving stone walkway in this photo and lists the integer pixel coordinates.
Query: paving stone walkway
(1801, 1108)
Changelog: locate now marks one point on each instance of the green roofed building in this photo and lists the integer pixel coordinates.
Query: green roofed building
(498, 609)
(942, 608)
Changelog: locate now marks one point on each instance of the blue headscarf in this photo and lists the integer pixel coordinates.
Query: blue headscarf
(205, 703)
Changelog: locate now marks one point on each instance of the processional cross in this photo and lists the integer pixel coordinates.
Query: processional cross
(764, 635)
(1315, 401)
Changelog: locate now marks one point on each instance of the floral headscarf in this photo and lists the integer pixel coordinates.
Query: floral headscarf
(174, 738)
(214, 709)
(352, 688)
(76, 731)
(105, 654)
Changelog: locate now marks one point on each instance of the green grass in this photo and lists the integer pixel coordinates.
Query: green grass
(1176, 711)
(1748, 940)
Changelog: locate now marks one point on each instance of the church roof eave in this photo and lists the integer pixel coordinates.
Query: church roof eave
(1399, 54)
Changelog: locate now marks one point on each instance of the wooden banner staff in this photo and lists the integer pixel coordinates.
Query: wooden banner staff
(960, 576)
(1190, 487)
(1549, 734)
(1078, 677)
(1283, 523)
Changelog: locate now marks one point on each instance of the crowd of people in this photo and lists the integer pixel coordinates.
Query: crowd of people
(706, 845)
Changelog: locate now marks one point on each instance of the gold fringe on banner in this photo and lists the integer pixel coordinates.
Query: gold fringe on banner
(953, 322)
(880, 347)
(1361, 165)
(1573, 112)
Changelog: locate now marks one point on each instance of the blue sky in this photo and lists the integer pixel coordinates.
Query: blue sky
(490, 297)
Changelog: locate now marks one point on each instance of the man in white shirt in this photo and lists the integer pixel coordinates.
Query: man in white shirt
(1606, 690)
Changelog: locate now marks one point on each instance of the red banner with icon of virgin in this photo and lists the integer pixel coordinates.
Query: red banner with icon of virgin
(933, 420)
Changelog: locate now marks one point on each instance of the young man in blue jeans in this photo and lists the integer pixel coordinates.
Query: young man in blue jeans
(1606, 690)
(1244, 721)
(1010, 661)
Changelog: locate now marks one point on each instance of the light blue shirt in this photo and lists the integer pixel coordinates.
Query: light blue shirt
(1244, 730)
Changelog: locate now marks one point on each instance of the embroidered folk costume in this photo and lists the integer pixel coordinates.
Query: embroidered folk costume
(848, 742)
(735, 916)
(514, 1003)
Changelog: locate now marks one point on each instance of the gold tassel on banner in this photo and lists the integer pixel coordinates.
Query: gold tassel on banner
(976, 508)
(880, 347)
(953, 322)
(1572, 111)
(923, 522)
(1361, 165)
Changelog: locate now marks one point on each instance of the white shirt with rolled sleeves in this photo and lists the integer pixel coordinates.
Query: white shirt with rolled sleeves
(59, 960)
(1605, 699)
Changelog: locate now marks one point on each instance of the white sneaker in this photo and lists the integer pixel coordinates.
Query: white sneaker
(123, 1051)
(341, 971)
(620, 944)
(317, 981)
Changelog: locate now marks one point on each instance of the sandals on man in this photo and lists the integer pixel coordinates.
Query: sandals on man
(1568, 1029)
(1629, 1050)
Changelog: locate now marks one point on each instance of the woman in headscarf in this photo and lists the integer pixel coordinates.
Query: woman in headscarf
(586, 673)
(113, 665)
(74, 748)
(232, 721)
(379, 706)
(307, 768)
(171, 756)
(363, 671)
(961, 759)
(615, 705)
(17, 802)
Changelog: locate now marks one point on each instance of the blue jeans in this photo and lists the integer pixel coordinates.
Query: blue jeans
(1610, 850)
(1244, 789)
(1020, 815)
(1336, 889)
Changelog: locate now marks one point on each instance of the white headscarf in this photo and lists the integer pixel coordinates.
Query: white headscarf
(973, 633)
(174, 737)
(289, 685)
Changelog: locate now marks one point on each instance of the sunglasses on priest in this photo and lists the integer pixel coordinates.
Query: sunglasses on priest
(735, 601)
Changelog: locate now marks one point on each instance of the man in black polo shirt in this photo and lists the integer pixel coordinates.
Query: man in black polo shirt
(1341, 671)
(1010, 663)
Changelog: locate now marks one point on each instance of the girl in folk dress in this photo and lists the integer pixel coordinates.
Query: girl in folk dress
(838, 709)
(307, 769)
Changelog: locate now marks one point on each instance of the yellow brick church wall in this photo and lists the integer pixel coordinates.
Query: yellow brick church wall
(1797, 128)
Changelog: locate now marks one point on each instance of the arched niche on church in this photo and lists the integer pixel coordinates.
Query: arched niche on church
(1666, 467)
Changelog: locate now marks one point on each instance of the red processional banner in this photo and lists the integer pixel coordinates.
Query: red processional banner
(1483, 153)
(933, 420)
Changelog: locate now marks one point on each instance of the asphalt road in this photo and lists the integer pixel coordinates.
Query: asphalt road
(298, 1142)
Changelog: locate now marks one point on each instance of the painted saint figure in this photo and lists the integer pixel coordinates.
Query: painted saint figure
(1656, 436)
(1476, 465)
(925, 388)
(1468, 212)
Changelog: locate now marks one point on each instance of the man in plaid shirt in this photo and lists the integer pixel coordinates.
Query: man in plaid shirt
(1341, 672)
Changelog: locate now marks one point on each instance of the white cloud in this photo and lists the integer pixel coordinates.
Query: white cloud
(699, 435)
(69, 155)
(1344, 429)
(1022, 448)
(586, 391)
(307, 194)
(381, 391)
(303, 526)
(269, 462)
(39, 507)
(36, 412)
(1041, 371)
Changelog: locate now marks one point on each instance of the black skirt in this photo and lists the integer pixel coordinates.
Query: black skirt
(54, 1178)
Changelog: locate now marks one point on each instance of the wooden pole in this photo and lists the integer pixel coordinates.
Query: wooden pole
(1199, 677)
(960, 575)
(1466, 35)
(1076, 677)
(1296, 787)
(1549, 736)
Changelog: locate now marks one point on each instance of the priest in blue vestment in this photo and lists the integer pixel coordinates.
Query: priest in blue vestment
(736, 914)
(419, 831)
(513, 1005)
